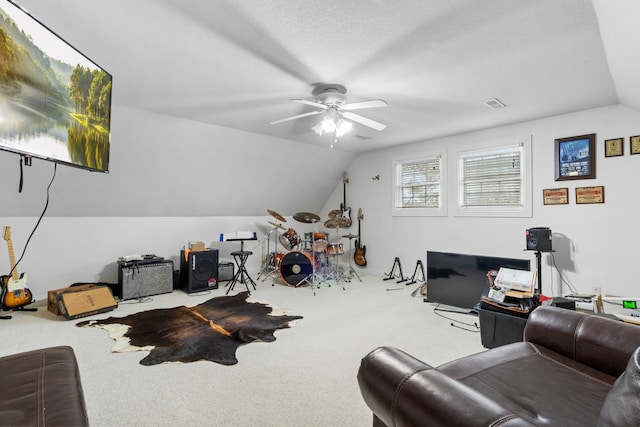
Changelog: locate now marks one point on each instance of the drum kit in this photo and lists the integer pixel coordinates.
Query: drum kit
(310, 259)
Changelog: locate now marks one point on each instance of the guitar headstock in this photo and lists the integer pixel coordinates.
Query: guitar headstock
(7, 233)
(360, 215)
(345, 178)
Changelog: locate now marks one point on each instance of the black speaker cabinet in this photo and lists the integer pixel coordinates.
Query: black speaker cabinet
(199, 270)
(144, 278)
(539, 239)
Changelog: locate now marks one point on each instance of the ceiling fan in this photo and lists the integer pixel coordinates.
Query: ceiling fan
(332, 102)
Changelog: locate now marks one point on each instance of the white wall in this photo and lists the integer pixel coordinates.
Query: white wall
(86, 249)
(164, 166)
(596, 245)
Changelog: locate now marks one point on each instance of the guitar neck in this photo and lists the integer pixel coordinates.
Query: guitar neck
(12, 260)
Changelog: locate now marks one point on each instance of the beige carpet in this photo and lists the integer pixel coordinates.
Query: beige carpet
(307, 377)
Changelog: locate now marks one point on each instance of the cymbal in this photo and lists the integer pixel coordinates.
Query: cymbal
(350, 236)
(339, 222)
(276, 225)
(276, 215)
(335, 213)
(307, 217)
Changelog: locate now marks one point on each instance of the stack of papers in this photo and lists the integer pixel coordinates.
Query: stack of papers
(516, 280)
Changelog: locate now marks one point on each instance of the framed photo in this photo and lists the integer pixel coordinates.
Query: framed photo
(555, 196)
(614, 147)
(634, 144)
(576, 157)
(585, 195)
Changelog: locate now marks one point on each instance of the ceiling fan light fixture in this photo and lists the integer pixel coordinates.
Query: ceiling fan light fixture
(343, 127)
(330, 120)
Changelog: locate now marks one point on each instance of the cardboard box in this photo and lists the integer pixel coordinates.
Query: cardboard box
(81, 301)
(196, 246)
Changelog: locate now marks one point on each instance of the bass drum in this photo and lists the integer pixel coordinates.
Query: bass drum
(295, 267)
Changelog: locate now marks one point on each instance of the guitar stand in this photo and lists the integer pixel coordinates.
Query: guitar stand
(391, 274)
(7, 317)
(415, 272)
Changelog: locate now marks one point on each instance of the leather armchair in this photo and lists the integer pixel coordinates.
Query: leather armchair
(572, 369)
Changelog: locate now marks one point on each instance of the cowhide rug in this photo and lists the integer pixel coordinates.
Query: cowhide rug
(211, 331)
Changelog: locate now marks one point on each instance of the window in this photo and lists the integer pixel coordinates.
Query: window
(495, 181)
(419, 186)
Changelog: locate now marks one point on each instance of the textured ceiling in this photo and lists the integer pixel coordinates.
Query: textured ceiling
(238, 63)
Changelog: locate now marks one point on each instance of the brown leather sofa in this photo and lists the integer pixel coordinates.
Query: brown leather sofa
(572, 369)
(41, 388)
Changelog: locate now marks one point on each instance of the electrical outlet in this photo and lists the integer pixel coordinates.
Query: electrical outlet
(596, 290)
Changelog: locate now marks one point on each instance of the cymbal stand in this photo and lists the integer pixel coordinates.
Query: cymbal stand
(315, 275)
(267, 268)
(352, 271)
(338, 275)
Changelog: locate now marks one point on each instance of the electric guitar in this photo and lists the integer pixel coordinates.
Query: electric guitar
(14, 289)
(361, 250)
(346, 212)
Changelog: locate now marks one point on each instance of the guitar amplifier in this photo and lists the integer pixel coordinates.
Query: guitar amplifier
(137, 279)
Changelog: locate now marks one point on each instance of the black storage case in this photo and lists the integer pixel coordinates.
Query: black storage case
(498, 329)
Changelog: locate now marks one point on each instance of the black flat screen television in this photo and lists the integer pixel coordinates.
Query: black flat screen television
(459, 280)
(55, 103)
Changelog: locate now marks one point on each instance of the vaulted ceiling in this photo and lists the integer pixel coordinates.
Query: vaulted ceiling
(238, 63)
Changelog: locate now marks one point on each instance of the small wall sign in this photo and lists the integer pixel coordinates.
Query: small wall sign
(585, 195)
(555, 196)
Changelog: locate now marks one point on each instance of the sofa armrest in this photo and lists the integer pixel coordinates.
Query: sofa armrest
(601, 343)
(403, 391)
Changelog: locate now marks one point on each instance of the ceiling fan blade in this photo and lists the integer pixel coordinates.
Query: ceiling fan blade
(364, 121)
(312, 103)
(364, 104)
(312, 113)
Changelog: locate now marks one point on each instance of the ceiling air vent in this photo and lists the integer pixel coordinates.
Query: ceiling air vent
(494, 104)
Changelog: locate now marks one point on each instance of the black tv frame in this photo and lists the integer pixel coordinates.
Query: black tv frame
(459, 280)
(57, 99)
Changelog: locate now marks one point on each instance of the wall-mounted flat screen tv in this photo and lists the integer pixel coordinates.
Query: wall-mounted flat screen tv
(55, 103)
(459, 280)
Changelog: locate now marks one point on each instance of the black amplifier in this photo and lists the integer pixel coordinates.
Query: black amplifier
(137, 279)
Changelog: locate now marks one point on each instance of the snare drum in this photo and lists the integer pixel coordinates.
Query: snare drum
(289, 239)
(335, 249)
(319, 241)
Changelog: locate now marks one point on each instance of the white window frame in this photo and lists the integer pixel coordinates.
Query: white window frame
(524, 208)
(398, 210)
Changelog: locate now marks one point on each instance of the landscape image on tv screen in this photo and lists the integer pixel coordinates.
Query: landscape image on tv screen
(55, 103)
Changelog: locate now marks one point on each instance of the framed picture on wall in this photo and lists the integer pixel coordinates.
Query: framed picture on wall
(634, 144)
(614, 147)
(575, 157)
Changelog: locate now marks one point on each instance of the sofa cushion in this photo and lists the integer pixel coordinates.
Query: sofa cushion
(621, 407)
(518, 376)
